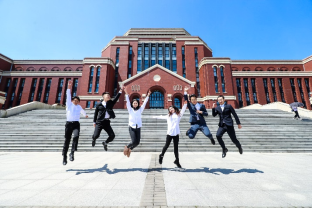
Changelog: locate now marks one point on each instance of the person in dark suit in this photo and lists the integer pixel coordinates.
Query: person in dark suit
(102, 115)
(226, 124)
(197, 120)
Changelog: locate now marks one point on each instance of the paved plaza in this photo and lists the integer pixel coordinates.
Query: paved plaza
(110, 179)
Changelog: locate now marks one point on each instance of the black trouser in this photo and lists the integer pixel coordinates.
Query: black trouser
(135, 135)
(175, 145)
(231, 132)
(70, 128)
(107, 127)
(297, 114)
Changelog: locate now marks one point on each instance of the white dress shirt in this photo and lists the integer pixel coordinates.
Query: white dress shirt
(73, 111)
(222, 107)
(106, 114)
(173, 121)
(135, 118)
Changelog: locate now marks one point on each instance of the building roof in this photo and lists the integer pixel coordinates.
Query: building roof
(157, 31)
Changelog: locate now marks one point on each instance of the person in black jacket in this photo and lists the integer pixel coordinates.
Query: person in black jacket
(102, 115)
(226, 124)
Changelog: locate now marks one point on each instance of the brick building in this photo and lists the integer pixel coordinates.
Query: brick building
(162, 60)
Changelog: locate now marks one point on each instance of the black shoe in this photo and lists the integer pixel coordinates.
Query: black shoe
(240, 149)
(64, 159)
(71, 156)
(177, 163)
(224, 152)
(105, 145)
(93, 143)
(161, 157)
(187, 132)
(212, 141)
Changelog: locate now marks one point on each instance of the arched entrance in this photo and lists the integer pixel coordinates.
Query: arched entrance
(156, 100)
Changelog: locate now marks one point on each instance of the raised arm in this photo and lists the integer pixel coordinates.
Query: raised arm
(83, 112)
(145, 101)
(186, 88)
(160, 117)
(68, 94)
(183, 109)
(127, 98)
(117, 97)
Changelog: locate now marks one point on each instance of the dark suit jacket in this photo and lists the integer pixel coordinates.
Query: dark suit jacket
(100, 110)
(192, 109)
(225, 115)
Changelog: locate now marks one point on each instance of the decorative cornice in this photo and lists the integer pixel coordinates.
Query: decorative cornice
(266, 61)
(41, 74)
(6, 58)
(30, 62)
(210, 60)
(115, 43)
(99, 61)
(90, 97)
(270, 73)
(160, 67)
(214, 97)
(197, 43)
(306, 60)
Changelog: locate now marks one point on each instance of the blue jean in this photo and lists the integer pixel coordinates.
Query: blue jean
(202, 127)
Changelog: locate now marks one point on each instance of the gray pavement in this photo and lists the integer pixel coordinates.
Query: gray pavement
(33, 179)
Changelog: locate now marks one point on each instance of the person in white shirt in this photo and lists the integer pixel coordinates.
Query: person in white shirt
(173, 120)
(73, 111)
(135, 121)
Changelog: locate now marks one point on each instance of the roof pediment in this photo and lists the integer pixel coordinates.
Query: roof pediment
(157, 66)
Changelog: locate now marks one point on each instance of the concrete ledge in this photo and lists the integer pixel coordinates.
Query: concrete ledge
(280, 106)
(27, 107)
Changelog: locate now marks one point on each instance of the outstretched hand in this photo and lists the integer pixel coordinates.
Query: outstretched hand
(213, 105)
(69, 84)
(185, 102)
(239, 126)
(186, 88)
(149, 93)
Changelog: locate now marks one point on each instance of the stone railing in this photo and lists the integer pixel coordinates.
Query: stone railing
(281, 106)
(27, 107)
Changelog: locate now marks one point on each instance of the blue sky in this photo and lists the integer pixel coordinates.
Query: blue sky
(74, 29)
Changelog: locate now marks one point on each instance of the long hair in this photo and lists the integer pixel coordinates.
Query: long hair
(137, 108)
(176, 110)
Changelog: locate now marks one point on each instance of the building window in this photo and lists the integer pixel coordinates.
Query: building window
(59, 90)
(183, 62)
(20, 91)
(280, 85)
(196, 71)
(246, 91)
(293, 88)
(222, 78)
(156, 100)
(47, 90)
(174, 58)
(239, 92)
(254, 91)
(160, 55)
(139, 69)
(7, 86)
(91, 79)
(177, 102)
(174, 66)
(130, 62)
(273, 89)
(306, 80)
(116, 71)
(301, 92)
(39, 93)
(266, 90)
(215, 78)
(146, 56)
(167, 52)
(153, 57)
(13, 92)
(97, 79)
(75, 86)
(95, 103)
(88, 104)
(32, 90)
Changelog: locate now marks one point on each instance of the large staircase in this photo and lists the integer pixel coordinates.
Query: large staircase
(263, 131)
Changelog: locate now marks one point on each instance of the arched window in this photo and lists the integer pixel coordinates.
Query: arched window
(157, 100)
(97, 80)
(90, 79)
(177, 102)
(222, 78)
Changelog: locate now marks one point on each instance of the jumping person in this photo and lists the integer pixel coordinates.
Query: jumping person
(197, 120)
(73, 111)
(226, 124)
(173, 120)
(135, 121)
(102, 115)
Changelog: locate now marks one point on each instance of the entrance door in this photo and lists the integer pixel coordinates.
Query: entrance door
(156, 100)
